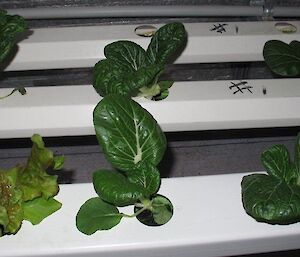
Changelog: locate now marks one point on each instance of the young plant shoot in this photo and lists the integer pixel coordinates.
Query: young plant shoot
(10, 27)
(283, 59)
(130, 70)
(134, 144)
(27, 191)
(275, 197)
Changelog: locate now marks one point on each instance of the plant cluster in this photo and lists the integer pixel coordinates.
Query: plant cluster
(27, 191)
(130, 70)
(130, 137)
(275, 197)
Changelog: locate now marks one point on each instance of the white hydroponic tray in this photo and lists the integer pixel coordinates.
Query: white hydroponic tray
(73, 47)
(208, 221)
(199, 105)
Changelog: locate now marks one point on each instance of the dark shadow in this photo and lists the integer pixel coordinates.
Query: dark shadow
(166, 165)
(64, 176)
(292, 253)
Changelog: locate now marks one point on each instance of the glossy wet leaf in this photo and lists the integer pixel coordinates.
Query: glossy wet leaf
(128, 134)
(10, 27)
(160, 212)
(276, 161)
(274, 197)
(115, 188)
(147, 176)
(110, 77)
(130, 70)
(39, 208)
(283, 59)
(271, 200)
(95, 214)
(166, 42)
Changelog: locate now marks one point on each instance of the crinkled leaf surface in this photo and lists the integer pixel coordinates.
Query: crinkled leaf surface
(145, 175)
(115, 188)
(274, 198)
(39, 208)
(168, 41)
(10, 27)
(34, 180)
(283, 59)
(95, 214)
(130, 70)
(26, 191)
(11, 212)
(128, 54)
(276, 161)
(124, 71)
(271, 200)
(128, 134)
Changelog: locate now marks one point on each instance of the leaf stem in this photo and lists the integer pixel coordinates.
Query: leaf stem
(146, 205)
(21, 90)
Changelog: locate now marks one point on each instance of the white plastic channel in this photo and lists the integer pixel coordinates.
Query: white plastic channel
(67, 110)
(208, 221)
(73, 47)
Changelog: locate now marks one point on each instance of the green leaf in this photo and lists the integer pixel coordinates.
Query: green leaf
(158, 213)
(58, 162)
(124, 71)
(11, 212)
(166, 43)
(164, 90)
(10, 27)
(128, 54)
(130, 70)
(276, 161)
(39, 208)
(271, 200)
(128, 134)
(95, 214)
(283, 59)
(147, 176)
(116, 189)
(34, 180)
(162, 209)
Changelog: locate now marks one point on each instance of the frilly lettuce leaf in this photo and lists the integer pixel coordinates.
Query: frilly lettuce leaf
(27, 191)
(11, 212)
(34, 180)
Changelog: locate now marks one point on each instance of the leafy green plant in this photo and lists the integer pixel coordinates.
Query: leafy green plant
(10, 27)
(275, 197)
(283, 59)
(27, 191)
(130, 70)
(134, 144)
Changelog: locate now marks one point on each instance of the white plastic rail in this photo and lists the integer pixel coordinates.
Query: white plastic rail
(73, 47)
(67, 110)
(208, 221)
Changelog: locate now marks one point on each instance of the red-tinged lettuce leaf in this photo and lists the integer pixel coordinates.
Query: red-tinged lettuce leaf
(39, 208)
(11, 212)
(34, 180)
